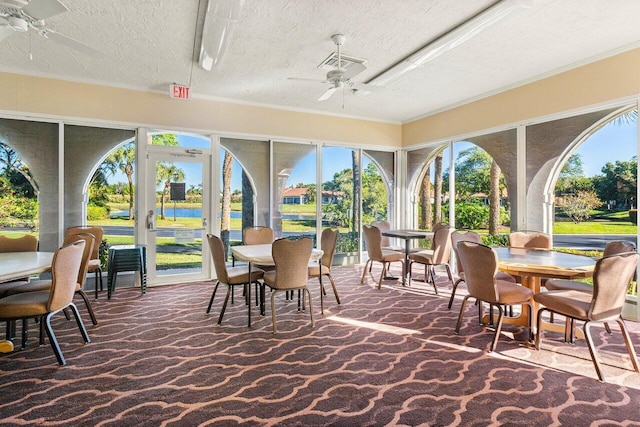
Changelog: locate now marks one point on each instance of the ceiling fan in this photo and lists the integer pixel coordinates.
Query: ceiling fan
(22, 15)
(340, 77)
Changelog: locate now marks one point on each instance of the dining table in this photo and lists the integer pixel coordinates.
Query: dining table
(534, 264)
(407, 235)
(17, 265)
(261, 255)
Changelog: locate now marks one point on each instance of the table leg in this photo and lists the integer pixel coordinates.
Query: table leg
(405, 267)
(249, 296)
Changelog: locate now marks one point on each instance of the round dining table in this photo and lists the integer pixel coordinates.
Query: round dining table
(534, 264)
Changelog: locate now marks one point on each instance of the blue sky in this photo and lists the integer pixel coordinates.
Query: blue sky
(612, 142)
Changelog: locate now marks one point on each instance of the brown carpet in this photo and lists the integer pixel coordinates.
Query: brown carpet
(383, 357)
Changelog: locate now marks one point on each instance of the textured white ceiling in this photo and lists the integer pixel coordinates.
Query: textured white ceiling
(149, 44)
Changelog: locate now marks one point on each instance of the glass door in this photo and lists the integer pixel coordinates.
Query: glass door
(177, 218)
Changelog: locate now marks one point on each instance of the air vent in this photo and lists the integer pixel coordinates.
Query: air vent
(346, 61)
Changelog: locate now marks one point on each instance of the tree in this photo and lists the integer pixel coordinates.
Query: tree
(437, 192)
(165, 172)
(578, 206)
(425, 200)
(17, 173)
(494, 199)
(311, 193)
(355, 193)
(618, 182)
(225, 224)
(374, 195)
(571, 179)
(121, 159)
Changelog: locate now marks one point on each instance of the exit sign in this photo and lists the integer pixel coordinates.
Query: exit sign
(180, 92)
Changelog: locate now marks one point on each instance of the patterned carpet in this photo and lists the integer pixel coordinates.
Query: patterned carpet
(383, 357)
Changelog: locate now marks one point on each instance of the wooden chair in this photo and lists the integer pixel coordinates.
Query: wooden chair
(231, 277)
(291, 258)
(373, 242)
(94, 263)
(481, 264)
(328, 241)
(610, 280)
(44, 304)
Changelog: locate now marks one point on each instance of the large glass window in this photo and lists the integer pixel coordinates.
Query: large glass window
(294, 198)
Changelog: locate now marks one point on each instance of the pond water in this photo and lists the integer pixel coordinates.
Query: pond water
(197, 213)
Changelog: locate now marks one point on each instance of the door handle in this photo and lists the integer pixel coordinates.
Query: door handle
(151, 216)
(204, 222)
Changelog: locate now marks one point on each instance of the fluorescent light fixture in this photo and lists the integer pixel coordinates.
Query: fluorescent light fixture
(452, 39)
(220, 21)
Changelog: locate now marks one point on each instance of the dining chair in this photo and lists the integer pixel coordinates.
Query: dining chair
(328, 240)
(65, 268)
(231, 277)
(291, 258)
(469, 236)
(529, 240)
(257, 235)
(611, 277)
(373, 243)
(614, 247)
(25, 243)
(386, 241)
(95, 266)
(44, 285)
(481, 264)
(431, 258)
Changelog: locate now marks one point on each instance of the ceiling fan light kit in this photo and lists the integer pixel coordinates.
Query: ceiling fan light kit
(340, 76)
(17, 24)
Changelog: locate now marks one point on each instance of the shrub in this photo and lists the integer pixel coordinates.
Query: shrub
(633, 216)
(97, 212)
(475, 216)
(499, 240)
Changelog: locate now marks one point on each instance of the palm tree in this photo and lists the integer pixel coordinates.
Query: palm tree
(225, 225)
(355, 218)
(425, 200)
(494, 199)
(437, 192)
(121, 159)
(165, 172)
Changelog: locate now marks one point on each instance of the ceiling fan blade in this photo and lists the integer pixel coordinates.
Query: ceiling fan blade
(43, 9)
(327, 94)
(306, 80)
(355, 69)
(5, 32)
(74, 44)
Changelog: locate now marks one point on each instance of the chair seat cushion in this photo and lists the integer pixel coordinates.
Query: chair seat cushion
(33, 286)
(511, 293)
(314, 269)
(568, 302)
(26, 304)
(7, 286)
(94, 264)
(424, 256)
(390, 256)
(240, 275)
(567, 285)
